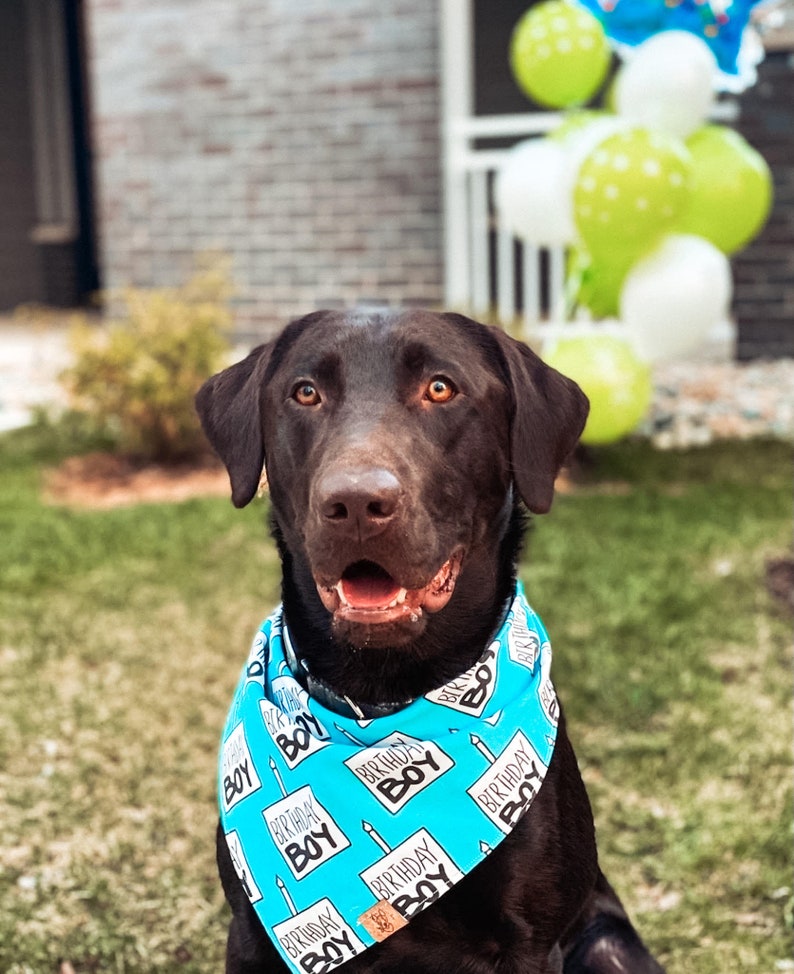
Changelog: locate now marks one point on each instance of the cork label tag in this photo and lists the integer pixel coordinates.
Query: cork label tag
(382, 920)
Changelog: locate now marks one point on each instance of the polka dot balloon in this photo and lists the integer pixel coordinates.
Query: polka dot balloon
(615, 381)
(630, 189)
(559, 54)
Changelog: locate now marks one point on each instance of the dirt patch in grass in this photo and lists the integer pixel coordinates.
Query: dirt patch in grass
(101, 481)
(780, 580)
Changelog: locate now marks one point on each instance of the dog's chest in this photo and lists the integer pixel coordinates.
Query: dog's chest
(344, 831)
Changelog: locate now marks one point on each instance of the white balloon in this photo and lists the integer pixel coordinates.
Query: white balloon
(674, 296)
(668, 83)
(533, 194)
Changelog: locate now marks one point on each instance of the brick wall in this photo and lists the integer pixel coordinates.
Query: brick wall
(764, 272)
(299, 136)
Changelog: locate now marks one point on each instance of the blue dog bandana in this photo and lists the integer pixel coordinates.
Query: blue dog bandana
(342, 830)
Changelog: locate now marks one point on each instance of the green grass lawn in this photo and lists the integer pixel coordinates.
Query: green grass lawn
(122, 634)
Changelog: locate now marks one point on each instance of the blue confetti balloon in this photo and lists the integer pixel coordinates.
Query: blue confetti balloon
(720, 23)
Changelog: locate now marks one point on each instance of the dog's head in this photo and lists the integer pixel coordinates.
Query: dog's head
(392, 444)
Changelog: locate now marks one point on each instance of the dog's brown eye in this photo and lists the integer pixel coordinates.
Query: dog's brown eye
(306, 394)
(440, 389)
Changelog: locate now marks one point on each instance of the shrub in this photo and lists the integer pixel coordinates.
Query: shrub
(135, 378)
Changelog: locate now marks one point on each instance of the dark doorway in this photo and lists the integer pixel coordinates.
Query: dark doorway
(47, 252)
(495, 91)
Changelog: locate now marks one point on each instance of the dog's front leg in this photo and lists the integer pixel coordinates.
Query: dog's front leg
(248, 949)
(603, 941)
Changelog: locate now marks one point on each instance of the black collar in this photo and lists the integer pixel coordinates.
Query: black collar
(328, 697)
(341, 703)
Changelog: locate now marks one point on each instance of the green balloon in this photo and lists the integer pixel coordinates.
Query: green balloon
(616, 382)
(559, 54)
(632, 188)
(596, 285)
(731, 192)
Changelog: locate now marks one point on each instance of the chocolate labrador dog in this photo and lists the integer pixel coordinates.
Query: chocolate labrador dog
(402, 451)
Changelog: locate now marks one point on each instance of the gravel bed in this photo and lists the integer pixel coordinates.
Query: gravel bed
(697, 403)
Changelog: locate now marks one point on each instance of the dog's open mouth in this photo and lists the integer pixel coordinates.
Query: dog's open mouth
(366, 593)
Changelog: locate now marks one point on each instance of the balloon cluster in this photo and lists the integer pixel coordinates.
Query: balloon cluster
(648, 198)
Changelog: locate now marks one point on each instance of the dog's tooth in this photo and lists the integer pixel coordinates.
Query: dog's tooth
(401, 596)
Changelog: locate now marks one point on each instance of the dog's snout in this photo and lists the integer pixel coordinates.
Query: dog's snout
(361, 502)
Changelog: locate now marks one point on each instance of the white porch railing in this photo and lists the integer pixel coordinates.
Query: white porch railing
(488, 271)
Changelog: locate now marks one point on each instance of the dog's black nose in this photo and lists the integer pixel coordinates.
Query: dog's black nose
(359, 502)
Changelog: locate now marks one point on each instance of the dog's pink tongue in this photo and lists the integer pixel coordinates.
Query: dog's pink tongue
(369, 590)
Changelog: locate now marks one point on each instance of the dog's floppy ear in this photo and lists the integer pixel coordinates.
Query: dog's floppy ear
(229, 410)
(549, 415)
